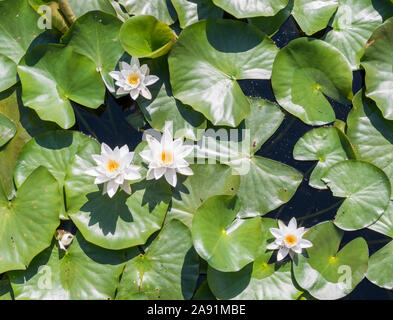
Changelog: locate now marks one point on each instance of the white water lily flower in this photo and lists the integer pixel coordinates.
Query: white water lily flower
(65, 238)
(114, 169)
(166, 157)
(133, 79)
(288, 239)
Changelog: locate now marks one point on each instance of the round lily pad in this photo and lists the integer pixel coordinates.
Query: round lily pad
(259, 280)
(323, 145)
(251, 8)
(379, 267)
(379, 68)
(29, 221)
(226, 242)
(304, 73)
(48, 83)
(366, 189)
(58, 275)
(167, 270)
(7, 129)
(208, 59)
(145, 36)
(325, 272)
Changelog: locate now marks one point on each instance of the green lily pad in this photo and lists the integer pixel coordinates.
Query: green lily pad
(314, 15)
(79, 8)
(84, 271)
(54, 150)
(7, 129)
(379, 68)
(96, 36)
(366, 189)
(193, 191)
(226, 242)
(119, 222)
(323, 145)
(7, 73)
(304, 72)
(163, 107)
(325, 272)
(259, 280)
(48, 83)
(371, 134)
(353, 24)
(207, 82)
(167, 270)
(161, 9)
(384, 224)
(191, 11)
(254, 8)
(145, 36)
(29, 221)
(379, 267)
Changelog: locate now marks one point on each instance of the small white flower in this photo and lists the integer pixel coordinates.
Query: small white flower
(288, 239)
(167, 158)
(114, 169)
(65, 238)
(133, 79)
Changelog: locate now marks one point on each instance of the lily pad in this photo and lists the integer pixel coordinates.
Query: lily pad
(314, 15)
(145, 36)
(161, 9)
(259, 280)
(254, 8)
(79, 8)
(119, 222)
(371, 134)
(325, 272)
(167, 270)
(58, 275)
(323, 145)
(208, 59)
(7, 129)
(304, 73)
(384, 224)
(379, 267)
(379, 68)
(96, 36)
(29, 221)
(366, 189)
(48, 83)
(226, 242)
(7, 73)
(191, 11)
(353, 24)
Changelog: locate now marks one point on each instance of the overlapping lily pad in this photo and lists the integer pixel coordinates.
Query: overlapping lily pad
(379, 68)
(254, 8)
(79, 8)
(7, 72)
(304, 73)
(29, 221)
(7, 129)
(366, 189)
(84, 271)
(53, 74)
(259, 280)
(226, 242)
(208, 59)
(384, 224)
(167, 270)
(325, 272)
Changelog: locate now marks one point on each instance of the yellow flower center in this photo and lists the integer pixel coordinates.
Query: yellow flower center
(166, 157)
(112, 166)
(133, 79)
(290, 239)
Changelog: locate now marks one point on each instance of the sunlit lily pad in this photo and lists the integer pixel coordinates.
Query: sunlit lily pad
(304, 72)
(167, 270)
(7, 73)
(323, 145)
(29, 221)
(226, 242)
(51, 75)
(84, 271)
(208, 59)
(379, 269)
(79, 8)
(325, 272)
(379, 68)
(384, 224)
(366, 189)
(259, 280)
(145, 36)
(254, 8)
(7, 129)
